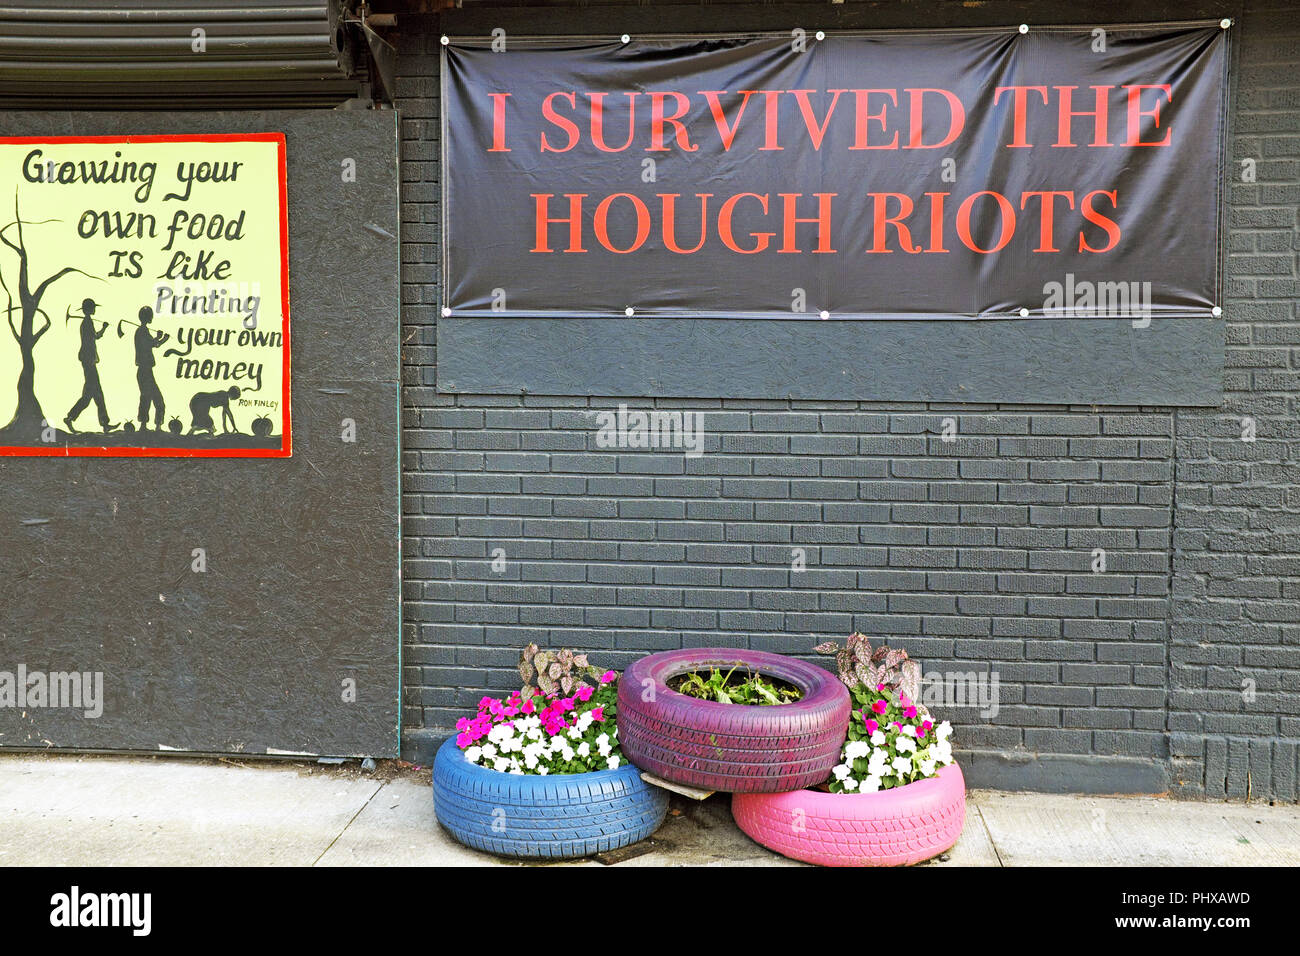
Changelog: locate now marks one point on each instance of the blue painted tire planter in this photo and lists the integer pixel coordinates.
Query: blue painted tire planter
(550, 817)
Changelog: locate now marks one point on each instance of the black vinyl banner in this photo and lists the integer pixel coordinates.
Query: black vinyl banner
(1045, 172)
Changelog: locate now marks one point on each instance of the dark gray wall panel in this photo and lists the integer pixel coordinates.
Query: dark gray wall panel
(1083, 361)
(303, 583)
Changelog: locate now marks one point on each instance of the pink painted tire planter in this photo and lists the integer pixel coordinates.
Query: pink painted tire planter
(895, 827)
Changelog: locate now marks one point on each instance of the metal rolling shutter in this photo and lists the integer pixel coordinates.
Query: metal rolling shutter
(138, 54)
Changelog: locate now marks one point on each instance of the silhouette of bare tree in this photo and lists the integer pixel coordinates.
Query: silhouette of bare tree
(28, 421)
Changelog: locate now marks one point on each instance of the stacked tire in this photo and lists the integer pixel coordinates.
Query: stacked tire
(734, 748)
(895, 827)
(543, 817)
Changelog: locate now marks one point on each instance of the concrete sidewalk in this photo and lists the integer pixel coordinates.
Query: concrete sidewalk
(122, 811)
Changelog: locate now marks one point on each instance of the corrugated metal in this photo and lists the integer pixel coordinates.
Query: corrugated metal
(139, 54)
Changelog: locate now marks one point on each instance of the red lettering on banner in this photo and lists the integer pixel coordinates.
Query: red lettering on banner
(1135, 113)
(816, 132)
(726, 134)
(598, 122)
(1046, 216)
(499, 123)
(1099, 113)
(1096, 218)
(1008, 217)
(863, 118)
(823, 220)
(916, 120)
(725, 232)
(570, 127)
(881, 219)
(659, 119)
(543, 221)
(1019, 111)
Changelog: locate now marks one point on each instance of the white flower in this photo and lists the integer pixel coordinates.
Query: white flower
(855, 749)
(927, 768)
(574, 733)
(902, 764)
(489, 752)
(501, 764)
(584, 721)
(904, 745)
(871, 784)
(473, 753)
(943, 730)
(878, 738)
(841, 771)
(543, 771)
(850, 784)
(613, 763)
(584, 749)
(909, 730)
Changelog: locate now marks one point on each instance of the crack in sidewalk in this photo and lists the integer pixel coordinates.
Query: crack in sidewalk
(351, 820)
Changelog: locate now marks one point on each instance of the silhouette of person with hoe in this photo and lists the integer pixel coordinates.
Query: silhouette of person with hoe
(150, 396)
(88, 356)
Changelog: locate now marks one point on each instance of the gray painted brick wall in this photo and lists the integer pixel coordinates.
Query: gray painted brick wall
(975, 555)
(1235, 603)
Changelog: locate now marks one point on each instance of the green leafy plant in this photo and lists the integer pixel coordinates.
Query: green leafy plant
(555, 672)
(753, 689)
(883, 668)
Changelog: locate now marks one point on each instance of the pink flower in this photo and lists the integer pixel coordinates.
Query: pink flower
(879, 707)
(598, 713)
(880, 687)
(485, 702)
(608, 676)
(462, 724)
(920, 734)
(528, 707)
(926, 725)
(583, 694)
(872, 726)
(897, 725)
(902, 699)
(463, 741)
(910, 712)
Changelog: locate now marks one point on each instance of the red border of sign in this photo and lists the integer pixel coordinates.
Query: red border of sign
(286, 438)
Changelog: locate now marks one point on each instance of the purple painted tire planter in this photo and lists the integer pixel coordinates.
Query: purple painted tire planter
(734, 748)
(896, 827)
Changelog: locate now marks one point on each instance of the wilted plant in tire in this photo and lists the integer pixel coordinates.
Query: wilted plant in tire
(884, 668)
(555, 672)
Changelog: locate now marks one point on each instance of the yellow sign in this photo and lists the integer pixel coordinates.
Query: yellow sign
(145, 282)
